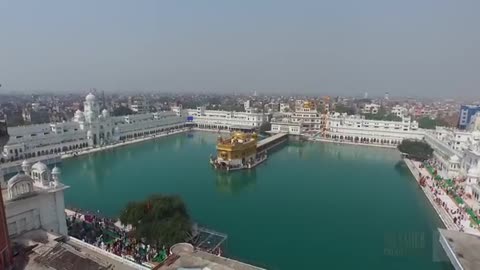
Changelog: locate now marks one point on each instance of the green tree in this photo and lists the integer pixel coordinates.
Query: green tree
(160, 220)
(416, 149)
(121, 111)
(428, 123)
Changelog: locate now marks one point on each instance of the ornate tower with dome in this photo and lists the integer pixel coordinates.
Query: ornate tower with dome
(91, 108)
(99, 126)
(35, 200)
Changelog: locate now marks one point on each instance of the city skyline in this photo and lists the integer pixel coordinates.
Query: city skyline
(282, 47)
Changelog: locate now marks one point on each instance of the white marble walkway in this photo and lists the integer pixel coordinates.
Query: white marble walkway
(445, 215)
(101, 148)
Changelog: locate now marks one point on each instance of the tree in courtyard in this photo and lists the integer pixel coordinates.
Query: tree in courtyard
(159, 220)
(416, 149)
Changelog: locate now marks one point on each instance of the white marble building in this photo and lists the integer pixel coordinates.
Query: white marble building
(456, 151)
(355, 128)
(34, 199)
(341, 127)
(307, 116)
(213, 119)
(285, 125)
(371, 108)
(399, 111)
(89, 128)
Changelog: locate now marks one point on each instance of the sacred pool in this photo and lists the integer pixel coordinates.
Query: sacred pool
(309, 206)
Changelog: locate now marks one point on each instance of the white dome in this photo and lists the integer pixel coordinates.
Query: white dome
(90, 97)
(20, 177)
(39, 166)
(25, 163)
(56, 170)
(454, 158)
(19, 185)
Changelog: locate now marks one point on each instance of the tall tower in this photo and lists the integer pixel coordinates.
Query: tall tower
(91, 108)
(386, 96)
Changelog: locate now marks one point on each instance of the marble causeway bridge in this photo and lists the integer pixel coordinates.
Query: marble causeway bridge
(271, 142)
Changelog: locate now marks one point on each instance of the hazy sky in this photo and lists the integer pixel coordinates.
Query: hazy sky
(407, 47)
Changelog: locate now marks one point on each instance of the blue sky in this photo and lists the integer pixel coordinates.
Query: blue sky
(409, 47)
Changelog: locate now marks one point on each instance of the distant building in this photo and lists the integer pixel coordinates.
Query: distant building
(466, 113)
(284, 107)
(138, 104)
(399, 111)
(371, 108)
(247, 104)
(474, 122)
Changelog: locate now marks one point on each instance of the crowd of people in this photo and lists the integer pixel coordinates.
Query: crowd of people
(103, 233)
(440, 192)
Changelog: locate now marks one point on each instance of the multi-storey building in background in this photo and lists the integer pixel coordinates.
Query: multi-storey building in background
(399, 111)
(371, 108)
(138, 104)
(467, 112)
